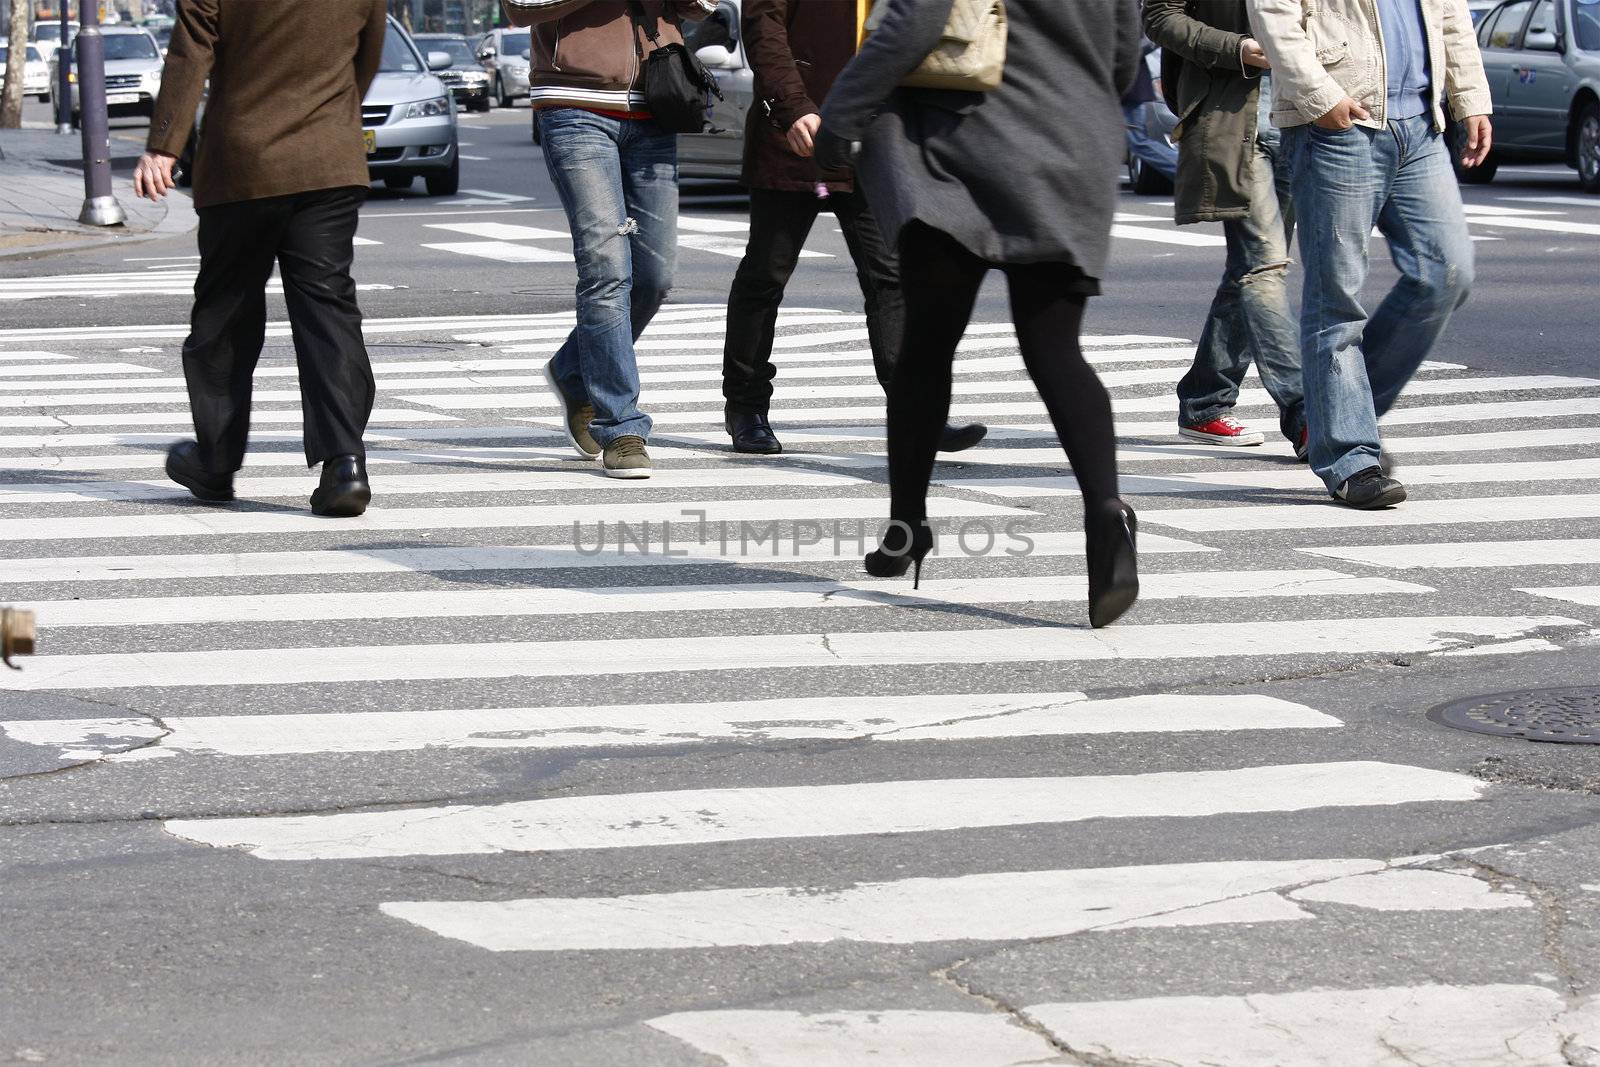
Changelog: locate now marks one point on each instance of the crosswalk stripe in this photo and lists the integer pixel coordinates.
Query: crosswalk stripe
(182, 420)
(1324, 515)
(21, 356)
(499, 231)
(779, 596)
(1216, 481)
(702, 816)
(991, 907)
(917, 717)
(455, 559)
(1587, 595)
(1186, 238)
(60, 370)
(560, 659)
(503, 251)
(1467, 554)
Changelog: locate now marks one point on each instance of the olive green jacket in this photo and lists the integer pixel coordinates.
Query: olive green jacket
(1215, 97)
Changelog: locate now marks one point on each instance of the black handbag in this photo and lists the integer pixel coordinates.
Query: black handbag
(674, 82)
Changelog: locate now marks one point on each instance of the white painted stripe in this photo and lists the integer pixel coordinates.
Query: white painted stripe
(446, 560)
(8, 357)
(585, 476)
(1447, 555)
(1565, 201)
(1429, 1024)
(500, 231)
(899, 1038)
(1562, 226)
(365, 242)
(701, 224)
(1511, 383)
(60, 370)
(142, 439)
(503, 251)
(1215, 481)
(1326, 515)
(776, 596)
(1003, 906)
(181, 420)
(918, 717)
(1587, 595)
(206, 522)
(732, 247)
(700, 816)
(1186, 238)
(563, 659)
(40, 400)
(1495, 412)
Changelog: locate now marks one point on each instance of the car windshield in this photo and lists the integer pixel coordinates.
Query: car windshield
(397, 56)
(32, 55)
(130, 46)
(1586, 22)
(459, 53)
(47, 31)
(514, 44)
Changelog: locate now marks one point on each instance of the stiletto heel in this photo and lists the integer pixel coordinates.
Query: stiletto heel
(896, 554)
(1113, 561)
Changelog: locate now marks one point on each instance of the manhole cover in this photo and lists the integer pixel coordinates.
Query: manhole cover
(1569, 716)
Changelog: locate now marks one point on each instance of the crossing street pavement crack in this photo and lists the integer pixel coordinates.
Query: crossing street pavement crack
(1553, 919)
(948, 975)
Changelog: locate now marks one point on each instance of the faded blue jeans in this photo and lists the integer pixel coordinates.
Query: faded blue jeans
(1398, 179)
(1156, 151)
(1250, 318)
(618, 180)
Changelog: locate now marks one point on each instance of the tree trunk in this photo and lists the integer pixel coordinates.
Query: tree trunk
(17, 56)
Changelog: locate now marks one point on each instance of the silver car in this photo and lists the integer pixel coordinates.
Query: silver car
(718, 150)
(1543, 62)
(133, 73)
(504, 54)
(409, 118)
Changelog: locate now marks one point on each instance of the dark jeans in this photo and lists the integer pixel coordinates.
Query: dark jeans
(779, 224)
(942, 279)
(311, 237)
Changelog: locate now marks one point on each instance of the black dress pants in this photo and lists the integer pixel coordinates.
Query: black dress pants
(311, 237)
(779, 224)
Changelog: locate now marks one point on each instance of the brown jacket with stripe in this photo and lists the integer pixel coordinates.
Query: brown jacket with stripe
(283, 114)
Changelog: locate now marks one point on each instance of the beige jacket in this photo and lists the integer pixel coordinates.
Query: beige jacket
(1325, 50)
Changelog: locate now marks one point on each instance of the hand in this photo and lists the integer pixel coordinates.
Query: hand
(834, 152)
(1253, 55)
(802, 135)
(153, 176)
(1480, 138)
(1343, 115)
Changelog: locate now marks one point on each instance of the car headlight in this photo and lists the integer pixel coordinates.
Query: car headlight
(428, 109)
(518, 70)
(153, 77)
(476, 76)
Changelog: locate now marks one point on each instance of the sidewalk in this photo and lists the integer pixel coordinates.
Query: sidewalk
(41, 193)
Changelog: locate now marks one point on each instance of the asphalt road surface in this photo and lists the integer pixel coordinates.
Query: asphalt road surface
(447, 784)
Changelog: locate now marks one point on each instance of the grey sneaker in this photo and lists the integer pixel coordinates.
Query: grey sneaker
(626, 458)
(575, 418)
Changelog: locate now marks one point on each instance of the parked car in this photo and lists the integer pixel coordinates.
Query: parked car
(35, 71)
(717, 151)
(465, 77)
(1543, 62)
(133, 73)
(504, 54)
(409, 119)
(46, 36)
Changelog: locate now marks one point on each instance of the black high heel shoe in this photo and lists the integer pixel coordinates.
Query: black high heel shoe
(1113, 562)
(900, 551)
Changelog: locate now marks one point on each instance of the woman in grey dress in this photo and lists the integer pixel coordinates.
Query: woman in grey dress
(1022, 179)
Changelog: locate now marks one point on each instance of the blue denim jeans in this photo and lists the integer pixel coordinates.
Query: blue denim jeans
(1250, 318)
(618, 180)
(1398, 179)
(1155, 151)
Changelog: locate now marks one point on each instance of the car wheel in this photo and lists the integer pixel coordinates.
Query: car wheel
(1146, 180)
(446, 182)
(1589, 147)
(481, 105)
(500, 92)
(400, 183)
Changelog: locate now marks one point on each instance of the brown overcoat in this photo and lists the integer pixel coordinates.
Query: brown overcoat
(796, 48)
(283, 114)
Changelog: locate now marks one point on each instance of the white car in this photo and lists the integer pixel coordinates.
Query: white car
(47, 37)
(35, 71)
(133, 73)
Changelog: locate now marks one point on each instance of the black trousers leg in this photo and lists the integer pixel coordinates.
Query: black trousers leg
(336, 386)
(941, 281)
(779, 225)
(1049, 318)
(878, 271)
(229, 323)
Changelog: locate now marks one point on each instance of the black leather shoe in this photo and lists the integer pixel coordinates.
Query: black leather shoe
(344, 492)
(1113, 562)
(752, 433)
(185, 468)
(961, 438)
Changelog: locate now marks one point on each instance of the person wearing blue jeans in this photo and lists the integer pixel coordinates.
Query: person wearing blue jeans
(1137, 103)
(1364, 153)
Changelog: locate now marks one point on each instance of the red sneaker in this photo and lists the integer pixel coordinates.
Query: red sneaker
(1226, 431)
(1302, 446)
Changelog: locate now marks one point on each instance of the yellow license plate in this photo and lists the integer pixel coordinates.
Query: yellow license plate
(371, 137)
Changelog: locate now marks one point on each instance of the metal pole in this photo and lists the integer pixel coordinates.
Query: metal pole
(64, 75)
(100, 208)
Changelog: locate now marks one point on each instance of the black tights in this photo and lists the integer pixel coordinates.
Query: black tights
(941, 281)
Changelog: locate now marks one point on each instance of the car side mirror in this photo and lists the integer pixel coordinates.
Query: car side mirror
(487, 53)
(715, 55)
(1543, 42)
(439, 61)
(527, 54)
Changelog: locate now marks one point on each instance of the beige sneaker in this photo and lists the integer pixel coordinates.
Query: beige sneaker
(626, 458)
(575, 417)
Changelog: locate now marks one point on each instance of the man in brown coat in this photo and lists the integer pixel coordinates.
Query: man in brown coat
(279, 177)
(797, 48)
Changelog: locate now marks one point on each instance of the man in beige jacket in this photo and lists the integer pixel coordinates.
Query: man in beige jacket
(1361, 90)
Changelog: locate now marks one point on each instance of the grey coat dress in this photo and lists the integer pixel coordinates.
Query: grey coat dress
(1026, 173)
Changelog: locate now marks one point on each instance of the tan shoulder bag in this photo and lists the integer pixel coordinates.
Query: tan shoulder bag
(971, 54)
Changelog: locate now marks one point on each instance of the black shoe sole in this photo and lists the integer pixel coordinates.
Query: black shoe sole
(1386, 499)
(966, 437)
(345, 502)
(745, 447)
(198, 489)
